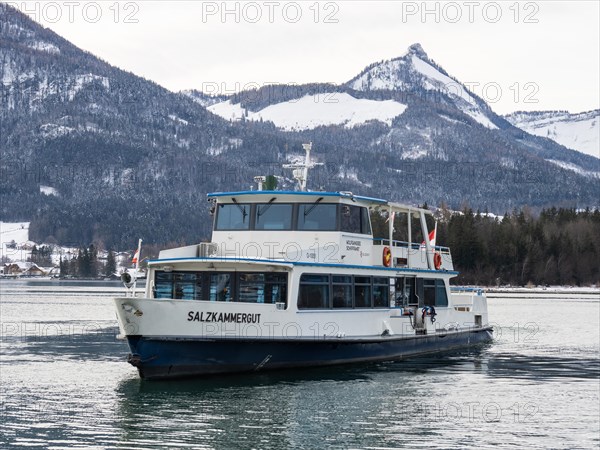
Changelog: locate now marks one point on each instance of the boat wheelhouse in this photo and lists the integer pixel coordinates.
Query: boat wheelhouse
(295, 279)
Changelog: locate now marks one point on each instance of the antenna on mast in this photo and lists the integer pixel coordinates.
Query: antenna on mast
(300, 170)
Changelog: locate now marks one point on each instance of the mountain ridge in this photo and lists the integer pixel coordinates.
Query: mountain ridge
(92, 153)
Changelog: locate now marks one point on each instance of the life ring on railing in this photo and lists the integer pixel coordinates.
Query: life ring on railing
(437, 260)
(387, 257)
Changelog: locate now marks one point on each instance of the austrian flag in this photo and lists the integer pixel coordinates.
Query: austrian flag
(136, 256)
(431, 237)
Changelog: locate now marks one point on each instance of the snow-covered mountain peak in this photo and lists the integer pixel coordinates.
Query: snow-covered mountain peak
(402, 73)
(416, 72)
(417, 50)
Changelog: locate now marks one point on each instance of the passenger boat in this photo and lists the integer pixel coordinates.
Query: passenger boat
(297, 279)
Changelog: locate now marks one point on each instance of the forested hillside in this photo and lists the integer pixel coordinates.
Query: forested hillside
(556, 247)
(94, 154)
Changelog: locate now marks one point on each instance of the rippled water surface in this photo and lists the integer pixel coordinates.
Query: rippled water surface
(65, 384)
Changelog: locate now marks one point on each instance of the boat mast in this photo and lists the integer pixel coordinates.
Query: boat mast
(300, 170)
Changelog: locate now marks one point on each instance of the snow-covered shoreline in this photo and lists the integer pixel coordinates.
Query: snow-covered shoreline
(544, 290)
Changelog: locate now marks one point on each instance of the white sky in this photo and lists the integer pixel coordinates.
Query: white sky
(552, 45)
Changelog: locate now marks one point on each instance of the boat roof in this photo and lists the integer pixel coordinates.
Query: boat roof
(347, 195)
(343, 195)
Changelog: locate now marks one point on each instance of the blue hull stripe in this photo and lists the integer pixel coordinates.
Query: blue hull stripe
(158, 358)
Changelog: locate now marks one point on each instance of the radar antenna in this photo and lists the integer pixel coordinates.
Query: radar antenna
(300, 170)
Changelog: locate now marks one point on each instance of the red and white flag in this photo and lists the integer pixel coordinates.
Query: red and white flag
(136, 255)
(431, 237)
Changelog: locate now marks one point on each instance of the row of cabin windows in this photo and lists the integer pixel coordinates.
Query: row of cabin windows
(293, 216)
(247, 287)
(318, 291)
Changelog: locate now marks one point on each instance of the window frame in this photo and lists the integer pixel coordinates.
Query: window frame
(352, 284)
(204, 278)
(251, 207)
(296, 224)
(257, 208)
(364, 219)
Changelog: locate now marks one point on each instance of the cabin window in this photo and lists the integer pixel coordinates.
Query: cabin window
(233, 216)
(273, 216)
(362, 292)
(220, 287)
(434, 293)
(405, 292)
(317, 217)
(163, 285)
(347, 291)
(314, 292)
(441, 297)
(262, 287)
(429, 292)
(381, 292)
(276, 287)
(248, 287)
(342, 291)
(251, 287)
(187, 285)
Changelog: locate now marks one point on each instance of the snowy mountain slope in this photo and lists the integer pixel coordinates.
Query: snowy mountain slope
(415, 69)
(92, 153)
(580, 132)
(312, 111)
(412, 74)
(575, 168)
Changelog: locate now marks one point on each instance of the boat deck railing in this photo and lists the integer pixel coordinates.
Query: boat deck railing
(412, 245)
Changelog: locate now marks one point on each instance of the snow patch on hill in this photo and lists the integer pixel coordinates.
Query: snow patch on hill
(80, 81)
(53, 131)
(48, 190)
(312, 111)
(575, 168)
(174, 118)
(579, 132)
(44, 47)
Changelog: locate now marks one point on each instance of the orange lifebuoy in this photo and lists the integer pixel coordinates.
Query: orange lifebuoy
(387, 257)
(437, 260)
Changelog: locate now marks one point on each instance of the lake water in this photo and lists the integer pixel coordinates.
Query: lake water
(65, 384)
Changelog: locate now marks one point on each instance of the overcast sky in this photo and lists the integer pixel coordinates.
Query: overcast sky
(519, 56)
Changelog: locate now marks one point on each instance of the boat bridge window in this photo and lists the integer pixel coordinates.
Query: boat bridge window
(345, 291)
(317, 217)
(314, 216)
(233, 216)
(273, 216)
(248, 287)
(355, 219)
